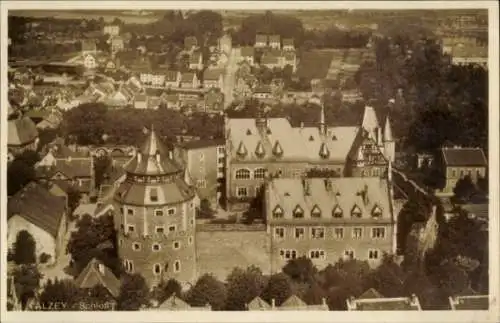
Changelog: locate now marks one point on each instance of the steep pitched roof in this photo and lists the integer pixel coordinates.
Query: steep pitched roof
(38, 206)
(464, 157)
(288, 42)
(212, 75)
(204, 143)
(96, 273)
(385, 304)
(71, 168)
(258, 304)
(187, 77)
(294, 302)
(247, 51)
(371, 293)
(21, 131)
(261, 38)
(274, 38)
(174, 303)
(470, 303)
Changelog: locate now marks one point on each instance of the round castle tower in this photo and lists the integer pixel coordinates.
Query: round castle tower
(156, 217)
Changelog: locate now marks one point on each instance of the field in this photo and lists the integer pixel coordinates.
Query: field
(130, 17)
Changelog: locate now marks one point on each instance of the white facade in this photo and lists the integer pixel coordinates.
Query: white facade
(113, 30)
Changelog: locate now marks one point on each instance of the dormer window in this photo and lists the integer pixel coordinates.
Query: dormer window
(298, 212)
(376, 212)
(278, 212)
(249, 132)
(337, 212)
(356, 212)
(315, 212)
(311, 138)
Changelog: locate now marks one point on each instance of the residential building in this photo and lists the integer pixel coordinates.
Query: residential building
(43, 215)
(290, 58)
(22, 134)
(204, 163)
(380, 133)
(89, 62)
(112, 30)
(470, 303)
(372, 300)
(174, 303)
(293, 303)
(141, 101)
(172, 100)
(272, 60)
(262, 92)
(213, 78)
(189, 81)
(225, 44)
(325, 219)
(456, 163)
(247, 55)
(190, 43)
(275, 41)
(196, 61)
(156, 218)
(288, 44)
(260, 41)
(214, 101)
(264, 146)
(117, 44)
(89, 47)
(172, 79)
(97, 274)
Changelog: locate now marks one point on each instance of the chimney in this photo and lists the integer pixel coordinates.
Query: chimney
(323, 301)
(307, 187)
(302, 125)
(157, 155)
(273, 303)
(139, 157)
(170, 155)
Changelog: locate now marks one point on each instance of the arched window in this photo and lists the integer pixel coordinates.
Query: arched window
(298, 212)
(337, 212)
(259, 173)
(356, 212)
(315, 212)
(242, 174)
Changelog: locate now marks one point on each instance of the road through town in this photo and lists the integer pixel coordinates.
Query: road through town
(230, 76)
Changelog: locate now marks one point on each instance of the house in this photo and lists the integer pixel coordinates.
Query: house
(271, 60)
(225, 44)
(52, 121)
(247, 55)
(293, 303)
(22, 134)
(262, 92)
(213, 78)
(204, 163)
(172, 100)
(290, 58)
(189, 80)
(260, 41)
(275, 41)
(196, 61)
(141, 101)
(89, 47)
(43, 215)
(214, 101)
(89, 62)
(372, 300)
(288, 44)
(458, 162)
(117, 43)
(112, 30)
(174, 303)
(97, 274)
(190, 43)
(172, 79)
(470, 303)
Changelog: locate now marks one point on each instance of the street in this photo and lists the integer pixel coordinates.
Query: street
(230, 76)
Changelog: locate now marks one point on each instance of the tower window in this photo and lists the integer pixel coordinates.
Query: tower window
(177, 266)
(156, 247)
(131, 228)
(153, 195)
(171, 228)
(159, 212)
(177, 245)
(160, 230)
(130, 211)
(157, 269)
(171, 211)
(136, 246)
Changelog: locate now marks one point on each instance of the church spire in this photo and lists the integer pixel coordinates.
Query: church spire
(322, 123)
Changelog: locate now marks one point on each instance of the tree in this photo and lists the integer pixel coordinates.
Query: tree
(388, 278)
(19, 174)
(243, 286)
(102, 166)
(86, 243)
(166, 289)
(24, 251)
(86, 123)
(27, 281)
(464, 189)
(62, 292)
(279, 289)
(208, 24)
(208, 290)
(301, 270)
(134, 293)
(315, 294)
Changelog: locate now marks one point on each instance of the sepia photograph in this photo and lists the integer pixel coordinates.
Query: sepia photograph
(196, 159)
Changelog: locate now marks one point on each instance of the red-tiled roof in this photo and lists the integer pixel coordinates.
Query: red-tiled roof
(464, 157)
(95, 273)
(38, 206)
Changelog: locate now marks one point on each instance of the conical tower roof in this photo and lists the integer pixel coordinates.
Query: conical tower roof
(152, 159)
(277, 149)
(242, 150)
(387, 130)
(324, 152)
(259, 150)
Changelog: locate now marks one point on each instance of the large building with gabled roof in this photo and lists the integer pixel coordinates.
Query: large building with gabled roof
(155, 216)
(372, 300)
